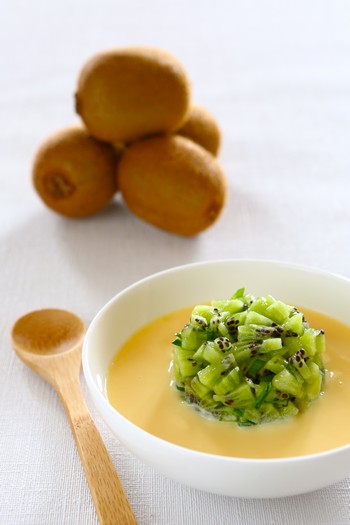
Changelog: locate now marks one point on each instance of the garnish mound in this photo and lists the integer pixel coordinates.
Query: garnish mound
(249, 360)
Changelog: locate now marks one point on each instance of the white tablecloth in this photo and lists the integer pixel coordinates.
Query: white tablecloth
(276, 75)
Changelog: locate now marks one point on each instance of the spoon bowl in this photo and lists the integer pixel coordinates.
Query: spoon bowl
(47, 332)
(49, 342)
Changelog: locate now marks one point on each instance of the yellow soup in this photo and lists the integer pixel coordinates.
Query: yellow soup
(139, 387)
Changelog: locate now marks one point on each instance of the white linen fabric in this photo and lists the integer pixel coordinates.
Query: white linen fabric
(276, 75)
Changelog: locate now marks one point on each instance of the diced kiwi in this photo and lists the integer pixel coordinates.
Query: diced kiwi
(198, 388)
(270, 345)
(261, 304)
(191, 337)
(249, 361)
(228, 382)
(314, 383)
(240, 397)
(309, 340)
(256, 318)
(232, 306)
(286, 382)
(234, 321)
(299, 362)
(289, 410)
(278, 311)
(253, 332)
(210, 375)
(291, 345)
(295, 324)
(187, 366)
(276, 364)
(211, 353)
(204, 310)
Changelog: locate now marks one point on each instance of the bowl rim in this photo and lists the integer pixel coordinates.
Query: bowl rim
(96, 392)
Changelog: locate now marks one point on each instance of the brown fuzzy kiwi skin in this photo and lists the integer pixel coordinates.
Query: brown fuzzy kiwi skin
(129, 93)
(172, 183)
(202, 128)
(74, 174)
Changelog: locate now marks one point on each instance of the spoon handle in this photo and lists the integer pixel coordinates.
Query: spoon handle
(112, 505)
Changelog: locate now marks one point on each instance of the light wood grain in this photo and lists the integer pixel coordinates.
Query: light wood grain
(49, 342)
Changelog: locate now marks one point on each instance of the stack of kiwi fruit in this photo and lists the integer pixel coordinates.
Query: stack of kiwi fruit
(139, 135)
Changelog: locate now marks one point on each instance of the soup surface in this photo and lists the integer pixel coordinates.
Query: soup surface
(139, 386)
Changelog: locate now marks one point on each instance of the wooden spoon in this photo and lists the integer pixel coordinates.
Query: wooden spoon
(49, 342)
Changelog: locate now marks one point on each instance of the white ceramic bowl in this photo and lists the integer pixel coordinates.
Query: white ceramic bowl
(195, 283)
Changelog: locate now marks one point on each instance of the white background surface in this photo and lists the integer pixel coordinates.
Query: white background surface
(276, 75)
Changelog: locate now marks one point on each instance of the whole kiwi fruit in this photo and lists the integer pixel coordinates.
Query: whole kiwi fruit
(172, 183)
(125, 94)
(201, 127)
(74, 174)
